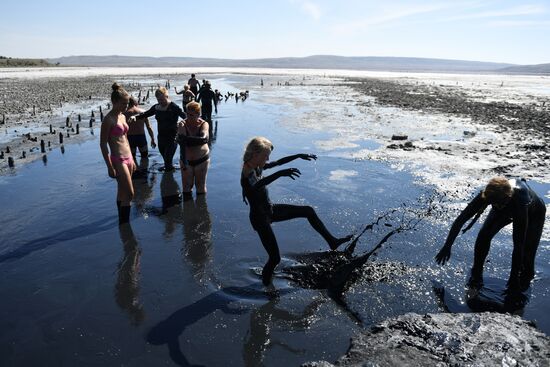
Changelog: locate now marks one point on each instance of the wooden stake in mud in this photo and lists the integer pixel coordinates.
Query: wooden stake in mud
(24, 155)
(10, 162)
(67, 121)
(79, 118)
(93, 113)
(91, 122)
(101, 116)
(33, 110)
(51, 129)
(78, 128)
(8, 150)
(42, 146)
(147, 96)
(60, 138)
(100, 110)
(62, 149)
(4, 118)
(1, 154)
(49, 143)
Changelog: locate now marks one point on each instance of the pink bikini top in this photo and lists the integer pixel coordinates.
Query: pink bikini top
(119, 130)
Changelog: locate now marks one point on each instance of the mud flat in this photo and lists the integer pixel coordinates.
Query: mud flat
(486, 339)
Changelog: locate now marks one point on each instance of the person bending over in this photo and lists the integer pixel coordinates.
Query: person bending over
(263, 212)
(512, 201)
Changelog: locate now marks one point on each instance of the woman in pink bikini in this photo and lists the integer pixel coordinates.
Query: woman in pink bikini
(120, 164)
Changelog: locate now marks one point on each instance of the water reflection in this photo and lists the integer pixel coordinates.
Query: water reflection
(269, 316)
(170, 212)
(491, 297)
(143, 185)
(197, 234)
(127, 285)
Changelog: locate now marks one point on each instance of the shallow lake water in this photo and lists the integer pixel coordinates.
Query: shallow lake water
(181, 285)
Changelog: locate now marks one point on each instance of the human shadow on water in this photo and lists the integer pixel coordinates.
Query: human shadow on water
(337, 271)
(169, 212)
(212, 132)
(168, 331)
(143, 185)
(197, 234)
(264, 318)
(491, 297)
(67, 235)
(127, 284)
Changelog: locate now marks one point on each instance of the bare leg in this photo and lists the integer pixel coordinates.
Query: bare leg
(201, 172)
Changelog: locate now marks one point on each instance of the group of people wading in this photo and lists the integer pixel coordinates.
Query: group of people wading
(122, 132)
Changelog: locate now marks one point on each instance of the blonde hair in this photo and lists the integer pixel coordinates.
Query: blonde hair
(186, 87)
(161, 92)
(497, 189)
(258, 144)
(193, 107)
(118, 93)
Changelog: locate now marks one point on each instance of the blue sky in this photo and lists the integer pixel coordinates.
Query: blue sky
(499, 31)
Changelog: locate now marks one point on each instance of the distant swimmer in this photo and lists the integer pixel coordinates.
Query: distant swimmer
(512, 201)
(207, 98)
(120, 163)
(263, 212)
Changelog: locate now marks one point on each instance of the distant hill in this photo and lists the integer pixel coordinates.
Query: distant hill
(8, 62)
(528, 69)
(310, 62)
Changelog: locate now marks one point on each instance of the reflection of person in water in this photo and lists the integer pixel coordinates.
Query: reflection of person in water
(120, 164)
(264, 319)
(193, 136)
(512, 201)
(127, 285)
(143, 185)
(263, 212)
(197, 227)
(170, 195)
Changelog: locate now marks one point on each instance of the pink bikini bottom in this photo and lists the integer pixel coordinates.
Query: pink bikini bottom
(124, 160)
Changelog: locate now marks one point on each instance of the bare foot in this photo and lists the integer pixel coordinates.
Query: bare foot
(338, 241)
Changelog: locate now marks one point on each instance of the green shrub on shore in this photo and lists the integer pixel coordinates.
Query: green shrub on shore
(8, 62)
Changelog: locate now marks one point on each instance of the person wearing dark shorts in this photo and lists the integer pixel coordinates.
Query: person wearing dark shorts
(136, 131)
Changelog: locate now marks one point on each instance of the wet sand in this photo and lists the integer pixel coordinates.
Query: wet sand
(184, 280)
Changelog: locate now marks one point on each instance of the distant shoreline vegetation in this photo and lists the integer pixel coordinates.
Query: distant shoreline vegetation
(9, 62)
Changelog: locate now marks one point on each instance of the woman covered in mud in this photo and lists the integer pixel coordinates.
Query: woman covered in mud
(512, 201)
(166, 112)
(194, 151)
(187, 97)
(263, 212)
(116, 151)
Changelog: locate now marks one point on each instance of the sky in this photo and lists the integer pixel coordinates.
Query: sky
(516, 32)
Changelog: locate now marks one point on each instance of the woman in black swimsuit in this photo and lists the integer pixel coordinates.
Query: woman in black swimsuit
(166, 112)
(263, 212)
(513, 201)
(194, 151)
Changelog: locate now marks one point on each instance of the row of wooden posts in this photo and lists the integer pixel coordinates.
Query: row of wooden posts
(68, 124)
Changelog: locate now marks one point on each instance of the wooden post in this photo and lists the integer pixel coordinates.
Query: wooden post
(100, 111)
(60, 138)
(62, 149)
(42, 146)
(79, 118)
(24, 155)
(33, 110)
(78, 128)
(101, 116)
(91, 122)
(8, 150)
(49, 143)
(67, 121)
(51, 129)
(4, 118)
(1, 154)
(10, 162)
(147, 96)
(68, 136)
(93, 113)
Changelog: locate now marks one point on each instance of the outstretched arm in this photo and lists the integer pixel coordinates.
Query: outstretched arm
(180, 92)
(473, 207)
(290, 158)
(289, 172)
(150, 112)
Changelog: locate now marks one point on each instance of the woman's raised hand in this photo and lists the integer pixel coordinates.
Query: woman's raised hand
(290, 172)
(308, 157)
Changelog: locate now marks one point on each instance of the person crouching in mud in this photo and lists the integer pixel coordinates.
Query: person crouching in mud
(263, 212)
(512, 201)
